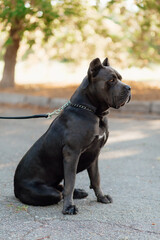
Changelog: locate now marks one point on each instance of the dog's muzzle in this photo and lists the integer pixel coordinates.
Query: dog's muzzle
(125, 97)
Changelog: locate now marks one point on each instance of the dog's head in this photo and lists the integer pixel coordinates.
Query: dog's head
(105, 87)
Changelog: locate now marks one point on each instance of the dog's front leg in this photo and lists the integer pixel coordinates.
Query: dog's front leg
(94, 176)
(70, 162)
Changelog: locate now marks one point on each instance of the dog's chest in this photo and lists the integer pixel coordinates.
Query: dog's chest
(103, 131)
(92, 151)
(102, 137)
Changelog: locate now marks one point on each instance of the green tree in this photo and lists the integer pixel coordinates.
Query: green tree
(19, 17)
(140, 24)
(128, 29)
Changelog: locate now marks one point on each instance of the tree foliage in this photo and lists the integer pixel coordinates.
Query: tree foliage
(128, 29)
(21, 19)
(30, 15)
(140, 23)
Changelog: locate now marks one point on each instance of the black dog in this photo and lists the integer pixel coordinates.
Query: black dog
(72, 143)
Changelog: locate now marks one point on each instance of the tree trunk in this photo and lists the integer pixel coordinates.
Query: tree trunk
(10, 60)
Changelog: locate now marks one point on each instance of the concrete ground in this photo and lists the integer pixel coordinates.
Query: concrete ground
(130, 173)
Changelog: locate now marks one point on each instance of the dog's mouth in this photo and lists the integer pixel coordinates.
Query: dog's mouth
(127, 100)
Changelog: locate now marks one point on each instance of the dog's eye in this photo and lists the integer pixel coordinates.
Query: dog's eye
(112, 80)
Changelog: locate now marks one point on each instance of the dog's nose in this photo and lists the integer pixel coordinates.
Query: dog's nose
(128, 88)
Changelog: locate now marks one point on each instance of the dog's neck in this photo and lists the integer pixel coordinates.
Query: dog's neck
(84, 96)
(80, 98)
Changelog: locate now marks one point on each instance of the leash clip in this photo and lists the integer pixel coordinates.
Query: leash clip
(49, 115)
(58, 111)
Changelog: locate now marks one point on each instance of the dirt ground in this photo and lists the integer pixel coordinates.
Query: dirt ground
(141, 91)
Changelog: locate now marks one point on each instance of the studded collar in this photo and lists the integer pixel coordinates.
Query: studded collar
(93, 109)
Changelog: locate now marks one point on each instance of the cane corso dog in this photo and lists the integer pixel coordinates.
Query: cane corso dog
(72, 143)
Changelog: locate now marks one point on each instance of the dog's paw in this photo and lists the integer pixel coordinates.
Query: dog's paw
(104, 199)
(70, 210)
(79, 193)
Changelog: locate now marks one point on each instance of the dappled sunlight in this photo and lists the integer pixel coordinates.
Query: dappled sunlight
(133, 139)
(11, 132)
(119, 136)
(113, 154)
(141, 74)
(61, 74)
(154, 125)
(5, 165)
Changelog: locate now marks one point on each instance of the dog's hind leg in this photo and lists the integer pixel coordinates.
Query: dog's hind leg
(77, 194)
(37, 194)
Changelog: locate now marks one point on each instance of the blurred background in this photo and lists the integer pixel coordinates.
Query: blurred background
(48, 44)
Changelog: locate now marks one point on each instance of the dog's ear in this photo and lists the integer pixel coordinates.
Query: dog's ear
(94, 68)
(106, 62)
(85, 83)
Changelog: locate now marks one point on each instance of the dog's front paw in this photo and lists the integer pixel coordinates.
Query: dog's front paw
(104, 199)
(70, 210)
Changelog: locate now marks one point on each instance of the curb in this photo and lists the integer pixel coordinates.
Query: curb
(39, 101)
(145, 107)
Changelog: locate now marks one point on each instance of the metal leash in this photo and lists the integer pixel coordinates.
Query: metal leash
(57, 111)
(48, 115)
